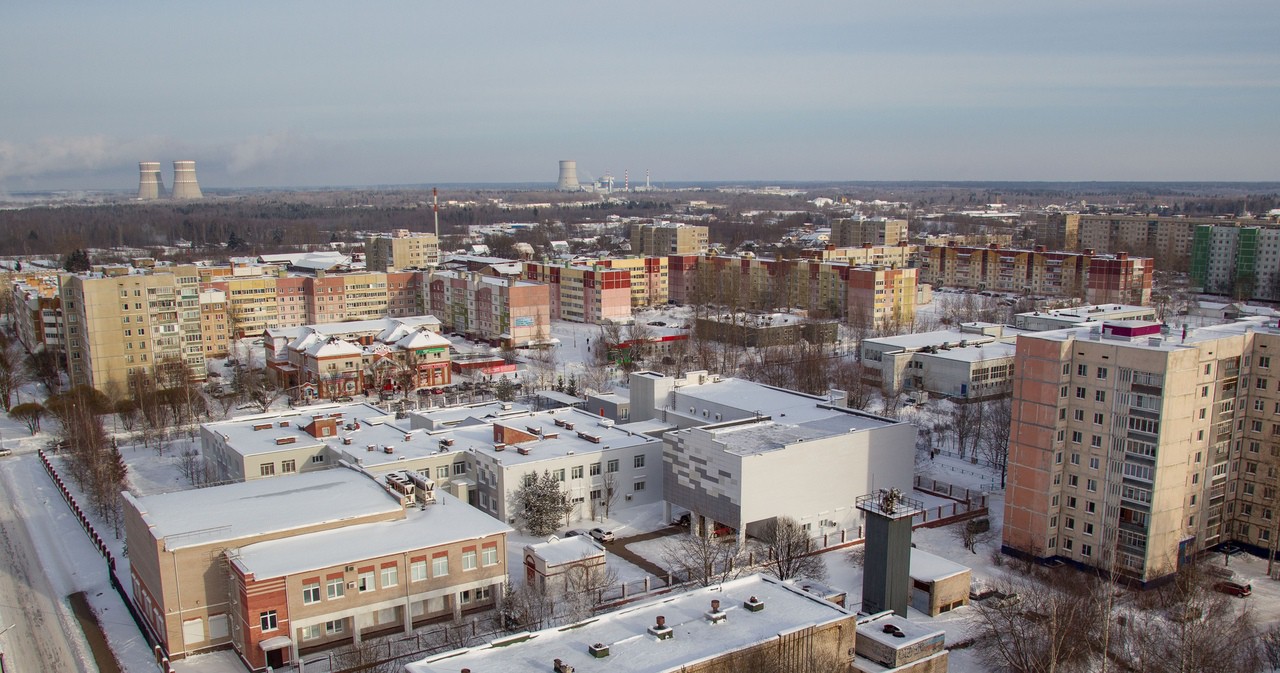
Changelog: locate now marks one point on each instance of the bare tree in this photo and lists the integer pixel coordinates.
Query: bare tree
(366, 656)
(1040, 627)
(585, 585)
(30, 414)
(993, 443)
(785, 546)
(13, 370)
(972, 533)
(609, 492)
(703, 559)
(259, 388)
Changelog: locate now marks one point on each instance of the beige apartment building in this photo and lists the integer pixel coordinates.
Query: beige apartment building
(1132, 449)
(857, 232)
(401, 250)
(659, 239)
(649, 278)
(121, 319)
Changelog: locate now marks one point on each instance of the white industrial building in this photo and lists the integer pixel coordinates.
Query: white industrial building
(744, 453)
(1078, 316)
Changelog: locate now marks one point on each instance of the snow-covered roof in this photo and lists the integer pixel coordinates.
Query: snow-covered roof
(633, 650)
(987, 351)
(918, 341)
(748, 398)
(565, 550)
(332, 347)
(449, 520)
(928, 567)
(247, 509)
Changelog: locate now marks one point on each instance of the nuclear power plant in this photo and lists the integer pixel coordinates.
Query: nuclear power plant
(568, 177)
(150, 184)
(184, 181)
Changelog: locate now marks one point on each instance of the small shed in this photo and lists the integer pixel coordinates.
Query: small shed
(548, 564)
(937, 584)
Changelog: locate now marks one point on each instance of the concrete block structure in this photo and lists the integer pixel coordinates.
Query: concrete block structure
(876, 231)
(587, 294)
(548, 565)
(973, 362)
(759, 330)
(337, 556)
(659, 239)
(888, 643)
(37, 312)
(649, 278)
(1097, 279)
(1237, 259)
(937, 584)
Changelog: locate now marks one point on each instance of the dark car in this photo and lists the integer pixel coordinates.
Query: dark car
(682, 520)
(575, 532)
(1234, 588)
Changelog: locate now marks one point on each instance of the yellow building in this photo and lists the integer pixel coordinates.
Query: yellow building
(120, 319)
(401, 250)
(649, 278)
(659, 239)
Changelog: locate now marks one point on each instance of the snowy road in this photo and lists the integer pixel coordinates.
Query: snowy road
(45, 635)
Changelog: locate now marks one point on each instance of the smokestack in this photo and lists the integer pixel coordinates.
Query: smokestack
(184, 181)
(568, 177)
(150, 184)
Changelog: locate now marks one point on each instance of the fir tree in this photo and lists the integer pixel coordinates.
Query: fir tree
(541, 504)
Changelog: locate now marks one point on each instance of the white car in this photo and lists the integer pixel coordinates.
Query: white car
(602, 535)
(6, 452)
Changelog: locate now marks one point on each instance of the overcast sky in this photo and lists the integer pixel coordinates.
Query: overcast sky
(319, 93)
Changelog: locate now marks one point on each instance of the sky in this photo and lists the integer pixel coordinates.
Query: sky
(298, 94)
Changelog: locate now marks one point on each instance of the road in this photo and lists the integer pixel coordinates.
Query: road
(45, 635)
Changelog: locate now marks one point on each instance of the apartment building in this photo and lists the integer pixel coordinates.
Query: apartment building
(349, 556)
(1239, 261)
(876, 231)
(120, 319)
(586, 294)
(37, 312)
(757, 330)
(659, 239)
(901, 255)
(649, 278)
(1098, 279)
(1168, 238)
(215, 327)
(342, 359)
(401, 250)
(874, 294)
(1131, 449)
(504, 310)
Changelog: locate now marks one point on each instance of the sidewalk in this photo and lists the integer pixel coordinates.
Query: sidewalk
(619, 547)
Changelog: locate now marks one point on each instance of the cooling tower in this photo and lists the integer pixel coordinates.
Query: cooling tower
(184, 180)
(150, 185)
(568, 177)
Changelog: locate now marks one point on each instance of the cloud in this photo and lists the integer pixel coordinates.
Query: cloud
(265, 151)
(56, 155)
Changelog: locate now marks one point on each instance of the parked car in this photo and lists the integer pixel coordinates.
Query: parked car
(574, 532)
(602, 535)
(344, 398)
(1234, 588)
(682, 520)
(721, 530)
(9, 452)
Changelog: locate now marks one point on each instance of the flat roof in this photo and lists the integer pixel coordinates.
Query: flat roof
(931, 567)
(985, 351)
(750, 398)
(633, 650)
(566, 550)
(873, 628)
(751, 438)
(449, 520)
(236, 511)
(911, 342)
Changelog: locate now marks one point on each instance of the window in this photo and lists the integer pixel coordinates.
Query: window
(1091, 485)
(638, 461)
(442, 472)
(469, 559)
(334, 589)
(364, 582)
(334, 627)
(1260, 384)
(1058, 458)
(440, 566)
(1086, 550)
(1097, 418)
(459, 468)
(1062, 392)
(1070, 523)
(1071, 501)
(288, 466)
(1082, 370)
(268, 620)
(1080, 392)
(1076, 437)
(1073, 480)
(489, 556)
(1099, 396)
(1079, 414)
(558, 474)
(267, 469)
(1264, 361)
(595, 469)
(576, 472)
(1102, 372)
(638, 486)
(417, 571)
(317, 458)
(310, 593)
(1075, 459)
(1091, 507)
(1095, 441)
(311, 632)
(390, 576)
(612, 466)
(1088, 528)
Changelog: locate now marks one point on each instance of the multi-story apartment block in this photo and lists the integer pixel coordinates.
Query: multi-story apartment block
(1169, 239)
(215, 331)
(588, 294)
(401, 250)
(1056, 231)
(1236, 260)
(1131, 449)
(877, 231)
(37, 313)
(877, 295)
(1099, 279)
(512, 312)
(660, 239)
(649, 278)
(350, 556)
(343, 359)
(120, 320)
(902, 254)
